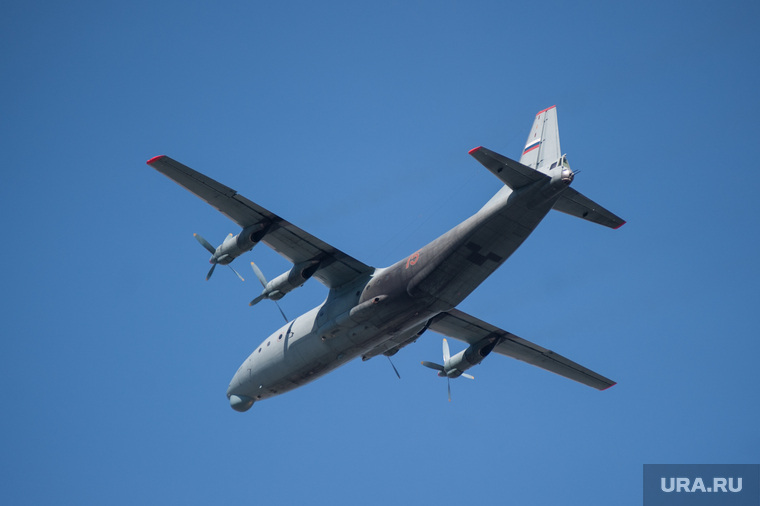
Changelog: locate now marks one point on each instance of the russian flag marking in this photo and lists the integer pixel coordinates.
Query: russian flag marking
(532, 145)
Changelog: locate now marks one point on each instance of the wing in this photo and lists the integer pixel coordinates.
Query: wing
(336, 268)
(459, 325)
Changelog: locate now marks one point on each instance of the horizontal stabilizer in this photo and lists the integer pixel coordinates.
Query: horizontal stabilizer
(576, 204)
(512, 173)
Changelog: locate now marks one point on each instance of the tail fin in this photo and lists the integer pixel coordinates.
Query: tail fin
(542, 146)
(540, 155)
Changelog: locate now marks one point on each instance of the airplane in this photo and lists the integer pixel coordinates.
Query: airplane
(378, 311)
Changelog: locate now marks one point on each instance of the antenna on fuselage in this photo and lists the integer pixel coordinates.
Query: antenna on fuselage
(394, 367)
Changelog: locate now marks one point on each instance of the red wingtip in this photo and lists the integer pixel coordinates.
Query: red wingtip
(620, 225)
(607, 388)
(547, 109)
(473, 150)
(155, 159)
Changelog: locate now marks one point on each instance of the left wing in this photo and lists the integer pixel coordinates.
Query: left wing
(335, 267)
(459, 325)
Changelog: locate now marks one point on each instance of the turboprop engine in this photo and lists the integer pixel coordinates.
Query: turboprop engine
(454, 367)
(232, 246)
(284, 283)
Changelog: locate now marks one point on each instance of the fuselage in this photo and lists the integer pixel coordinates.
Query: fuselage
(390, 308)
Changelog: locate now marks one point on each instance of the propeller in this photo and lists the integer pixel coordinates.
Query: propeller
(442, 372)
(263, 281)
(214, 261)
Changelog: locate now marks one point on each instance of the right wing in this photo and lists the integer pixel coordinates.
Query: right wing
(336, 268)
(459, 325)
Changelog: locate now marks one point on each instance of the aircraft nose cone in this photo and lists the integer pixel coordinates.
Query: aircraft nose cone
(240, 403)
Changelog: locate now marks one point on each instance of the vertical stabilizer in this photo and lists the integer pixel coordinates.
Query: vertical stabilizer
(542, 146)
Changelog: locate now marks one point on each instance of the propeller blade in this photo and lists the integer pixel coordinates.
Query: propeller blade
(257, 299)
(433, 365)
(448, 383)
(446, 354)
(236, 272)
(210, 272)
(394, 367)
(281, 312)
(468, 376)
(263, 281)
(205, 244)
(259, 275)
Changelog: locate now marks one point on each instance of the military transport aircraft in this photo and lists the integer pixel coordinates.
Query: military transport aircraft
(377, 311)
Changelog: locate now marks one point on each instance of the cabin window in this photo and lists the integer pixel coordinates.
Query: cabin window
(268, 343)
(280, 338)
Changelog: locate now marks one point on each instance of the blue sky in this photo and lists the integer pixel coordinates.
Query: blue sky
(353, 121)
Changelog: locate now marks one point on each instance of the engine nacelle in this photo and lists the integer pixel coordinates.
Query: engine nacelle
(289, 281)
(234, 246)
(472, 356)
